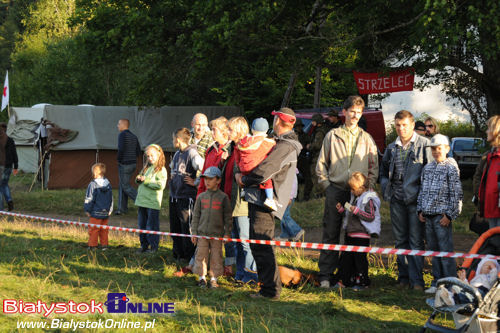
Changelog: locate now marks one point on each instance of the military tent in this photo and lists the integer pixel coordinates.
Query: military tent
(97, 135)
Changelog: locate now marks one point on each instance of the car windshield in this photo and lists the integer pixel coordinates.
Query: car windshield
(467, 145)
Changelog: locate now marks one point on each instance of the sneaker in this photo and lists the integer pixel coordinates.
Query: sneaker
(104, 248)
(140, 250)
(202, 283)
(259, 295)
(118, 212)
(324, 284)
(93, 248)
(213, 284)
(299, 236)
(10, 205)
(431, 290)
(271, 204)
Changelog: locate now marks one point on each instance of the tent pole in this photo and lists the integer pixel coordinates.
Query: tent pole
(38, 171)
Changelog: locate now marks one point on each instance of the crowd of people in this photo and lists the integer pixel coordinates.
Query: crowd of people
(229, 179)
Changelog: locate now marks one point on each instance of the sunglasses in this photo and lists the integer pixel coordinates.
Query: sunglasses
(429, 126)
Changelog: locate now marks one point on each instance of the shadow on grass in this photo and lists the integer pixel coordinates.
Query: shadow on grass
(145, 277)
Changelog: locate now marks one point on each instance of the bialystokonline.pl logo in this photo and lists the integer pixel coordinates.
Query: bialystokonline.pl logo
(116, 303)
(81, 324)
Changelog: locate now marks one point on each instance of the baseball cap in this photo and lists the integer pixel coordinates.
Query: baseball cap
(333, 113)
(260, 125)
(438, 140)
(285, 114)
(419, 125)
(212, 172)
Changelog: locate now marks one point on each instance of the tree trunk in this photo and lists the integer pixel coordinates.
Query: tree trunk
(491, 86)
(288, 92)
(317, 88)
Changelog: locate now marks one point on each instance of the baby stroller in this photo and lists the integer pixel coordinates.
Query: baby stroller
(481, 314)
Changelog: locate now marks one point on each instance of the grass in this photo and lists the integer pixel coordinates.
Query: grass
(50, 262)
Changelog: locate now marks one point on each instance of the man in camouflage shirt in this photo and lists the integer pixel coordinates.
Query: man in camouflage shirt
(201, 137)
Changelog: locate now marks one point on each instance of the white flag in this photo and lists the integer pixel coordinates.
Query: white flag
(5, 94)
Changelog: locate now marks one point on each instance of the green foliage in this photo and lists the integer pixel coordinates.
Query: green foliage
(169, 52)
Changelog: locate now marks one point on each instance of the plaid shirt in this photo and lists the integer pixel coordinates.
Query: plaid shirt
(205, 142)
(352, 141)
(441, 190)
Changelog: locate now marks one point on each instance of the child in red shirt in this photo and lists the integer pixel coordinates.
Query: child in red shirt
(252, 150)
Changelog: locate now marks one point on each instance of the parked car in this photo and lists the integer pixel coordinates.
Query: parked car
(374, 122)
(467, 153)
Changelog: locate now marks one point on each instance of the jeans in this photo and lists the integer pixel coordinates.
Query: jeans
(409, 234)
(4, 185)
(246, 269)
(125, 190)
(289, 228)
(149, 219)
(262, 227)
(494, 222)
(230, 253)
(180, 222)
(332, 222)
(439, 239)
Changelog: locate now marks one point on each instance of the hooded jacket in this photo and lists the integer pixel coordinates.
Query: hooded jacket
(99, 199)
(279, 166)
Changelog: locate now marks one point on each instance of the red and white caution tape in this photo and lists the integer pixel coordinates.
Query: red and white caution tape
(304, 245)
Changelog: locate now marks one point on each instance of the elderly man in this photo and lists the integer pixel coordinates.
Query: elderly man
(128, 150)
(345, 150)
(201, 136)
(400, 172)
(280, 166)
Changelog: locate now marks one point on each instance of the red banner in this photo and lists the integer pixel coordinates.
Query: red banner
(376, 83)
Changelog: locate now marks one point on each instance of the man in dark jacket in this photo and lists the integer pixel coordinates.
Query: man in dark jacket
(10, 168)
(280, 166)
(318, 135)
(304, 159)
(128, 150)
(400, 173)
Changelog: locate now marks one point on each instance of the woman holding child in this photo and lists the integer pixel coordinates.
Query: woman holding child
(246, 269)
